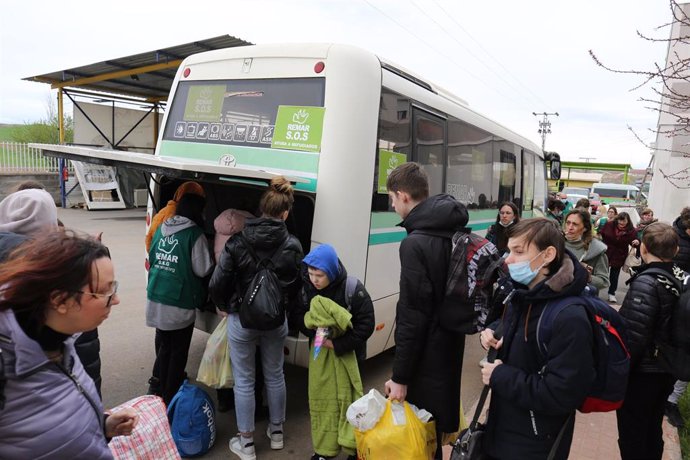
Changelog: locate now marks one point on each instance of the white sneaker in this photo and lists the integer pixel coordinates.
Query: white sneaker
(612, 298)
(245, 453)
(276, 438)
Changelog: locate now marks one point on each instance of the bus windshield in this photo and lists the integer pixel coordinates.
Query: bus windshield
(236, 112)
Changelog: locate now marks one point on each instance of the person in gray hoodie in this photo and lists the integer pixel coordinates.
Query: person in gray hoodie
(589, 251)
(179, 259)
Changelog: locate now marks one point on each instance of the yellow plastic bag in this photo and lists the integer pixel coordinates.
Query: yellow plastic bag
(215, 370)
(415, 440)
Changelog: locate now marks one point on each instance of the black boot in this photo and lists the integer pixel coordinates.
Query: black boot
(154, 386)
(674, 416)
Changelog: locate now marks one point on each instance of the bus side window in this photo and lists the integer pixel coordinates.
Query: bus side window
(469, 176)
(428, 147)
(394, 140)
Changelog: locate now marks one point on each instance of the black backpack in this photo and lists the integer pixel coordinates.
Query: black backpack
(475, 265)
(675, 354)
(262, 306)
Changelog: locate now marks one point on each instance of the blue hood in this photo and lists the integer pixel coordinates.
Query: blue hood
(324, 258)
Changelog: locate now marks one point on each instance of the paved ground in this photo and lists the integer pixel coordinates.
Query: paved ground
(127, 355)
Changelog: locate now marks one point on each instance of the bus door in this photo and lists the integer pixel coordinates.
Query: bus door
(429, 147)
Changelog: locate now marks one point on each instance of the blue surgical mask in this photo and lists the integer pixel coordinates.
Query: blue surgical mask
(508, 224)
(521, 272)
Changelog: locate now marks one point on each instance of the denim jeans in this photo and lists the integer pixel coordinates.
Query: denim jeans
(243, 343)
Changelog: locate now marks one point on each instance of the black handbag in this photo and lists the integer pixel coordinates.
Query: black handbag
(469, 445)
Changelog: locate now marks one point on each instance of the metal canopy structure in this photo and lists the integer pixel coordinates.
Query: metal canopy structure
(144, 79)
(148, 75)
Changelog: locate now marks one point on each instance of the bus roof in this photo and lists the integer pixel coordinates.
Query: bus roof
(322, 50)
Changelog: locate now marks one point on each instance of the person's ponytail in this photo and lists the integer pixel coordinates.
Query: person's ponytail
(278, 198)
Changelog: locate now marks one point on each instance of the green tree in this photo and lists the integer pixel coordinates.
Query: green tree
(45, 131)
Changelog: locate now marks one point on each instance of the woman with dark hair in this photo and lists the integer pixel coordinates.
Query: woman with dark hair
(267, 237)
(534, 396)
(618, 234)
(179, 259)
(589, 251)
(611, 214)
(554, 210)
(498, 232)
(53, 287)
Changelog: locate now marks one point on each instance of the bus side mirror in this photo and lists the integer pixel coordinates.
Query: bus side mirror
(554, 160)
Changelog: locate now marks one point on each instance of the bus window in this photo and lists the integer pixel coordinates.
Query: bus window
(236, 112)
(504, 172)
(527, 181)
(470, 158)
(394, 142)
(540, 189)
(429, 136)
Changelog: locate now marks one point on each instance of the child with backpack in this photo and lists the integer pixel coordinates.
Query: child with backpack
(647, 309)
(534, 396)
(330, 298)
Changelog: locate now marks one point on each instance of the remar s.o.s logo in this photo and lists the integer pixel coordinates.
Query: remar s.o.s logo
(227, 160)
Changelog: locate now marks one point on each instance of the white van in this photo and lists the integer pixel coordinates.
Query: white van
(616, 193)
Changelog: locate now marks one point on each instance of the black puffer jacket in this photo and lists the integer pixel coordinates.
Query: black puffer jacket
(529, 407)
(236, 267)
(362, 310)
(428, 358)
(682, 259)
(647, 310)
(88, 348)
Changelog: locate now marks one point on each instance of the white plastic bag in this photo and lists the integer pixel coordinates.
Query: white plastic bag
(366, 412)
(215, 370)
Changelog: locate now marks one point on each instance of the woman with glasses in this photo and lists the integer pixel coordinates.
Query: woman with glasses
(179, 259)
(498, 232)
(51, 288)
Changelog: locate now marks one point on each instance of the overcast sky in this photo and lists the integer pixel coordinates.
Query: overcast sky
(506, 58)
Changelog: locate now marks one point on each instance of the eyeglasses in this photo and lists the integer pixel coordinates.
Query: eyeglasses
(108, 295)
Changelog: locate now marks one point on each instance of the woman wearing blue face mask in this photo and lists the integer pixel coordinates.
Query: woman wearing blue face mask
(534, 396)
(498, 232)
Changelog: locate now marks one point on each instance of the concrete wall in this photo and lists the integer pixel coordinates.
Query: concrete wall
(10, 182)
(670, 187)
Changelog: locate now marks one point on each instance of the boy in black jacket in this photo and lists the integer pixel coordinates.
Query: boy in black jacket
(647, 311)
(428, 358)
(534, 397)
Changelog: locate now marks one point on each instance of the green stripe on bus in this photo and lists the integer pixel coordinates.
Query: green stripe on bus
(253, 156)
(384, 238)
(397, 236)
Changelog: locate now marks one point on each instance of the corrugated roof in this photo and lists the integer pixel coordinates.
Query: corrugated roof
(147, 75)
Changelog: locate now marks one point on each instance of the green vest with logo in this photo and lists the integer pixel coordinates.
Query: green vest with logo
(171, 279)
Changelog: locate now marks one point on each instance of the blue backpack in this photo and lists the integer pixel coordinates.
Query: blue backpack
(611, 355)
(192, 418)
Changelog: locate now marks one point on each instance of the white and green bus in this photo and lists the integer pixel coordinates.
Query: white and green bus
(335, 120)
